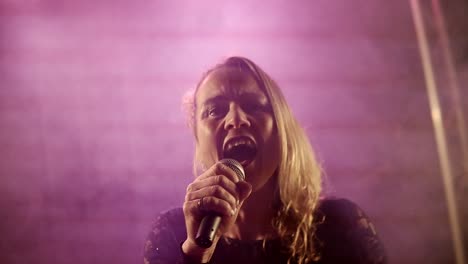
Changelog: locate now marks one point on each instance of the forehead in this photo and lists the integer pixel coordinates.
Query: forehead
(230, 83)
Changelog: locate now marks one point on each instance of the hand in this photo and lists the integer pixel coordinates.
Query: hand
(222, 193)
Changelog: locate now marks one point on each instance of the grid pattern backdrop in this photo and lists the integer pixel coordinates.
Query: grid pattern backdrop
(93, 141)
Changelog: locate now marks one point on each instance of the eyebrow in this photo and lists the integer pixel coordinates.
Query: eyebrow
(254, 96)
(214, 99)
(246, 95)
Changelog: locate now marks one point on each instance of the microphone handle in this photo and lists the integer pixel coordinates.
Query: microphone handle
(207, 230)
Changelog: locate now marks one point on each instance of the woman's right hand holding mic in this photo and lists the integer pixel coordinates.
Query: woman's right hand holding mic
(218, 191)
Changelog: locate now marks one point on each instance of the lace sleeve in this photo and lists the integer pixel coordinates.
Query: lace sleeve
(362, 233)
(163, 243)
(347, 234)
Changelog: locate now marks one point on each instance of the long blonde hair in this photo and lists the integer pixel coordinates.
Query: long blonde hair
(299, 174)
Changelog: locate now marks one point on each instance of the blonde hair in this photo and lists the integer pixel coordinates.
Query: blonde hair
(299, 174)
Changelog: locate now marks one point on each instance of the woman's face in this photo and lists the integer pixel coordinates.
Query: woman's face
(234, 120)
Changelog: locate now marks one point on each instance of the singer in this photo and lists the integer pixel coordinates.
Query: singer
(277, 213)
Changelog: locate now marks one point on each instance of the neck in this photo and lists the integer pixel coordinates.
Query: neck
(254, 220)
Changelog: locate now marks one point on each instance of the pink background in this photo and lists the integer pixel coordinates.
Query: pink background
(93, 142)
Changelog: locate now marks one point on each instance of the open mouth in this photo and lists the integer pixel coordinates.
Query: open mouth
(242, 149)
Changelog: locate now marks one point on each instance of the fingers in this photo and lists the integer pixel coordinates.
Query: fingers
(217, 198)
(220, 190)
(244, 189)
(198, 207)
(220, 169)
(215, 204)
(216, 191)
(215, 180)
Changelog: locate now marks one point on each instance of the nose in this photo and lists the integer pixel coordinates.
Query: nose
(236, 118)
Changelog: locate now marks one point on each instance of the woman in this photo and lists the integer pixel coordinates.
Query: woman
(276, 215)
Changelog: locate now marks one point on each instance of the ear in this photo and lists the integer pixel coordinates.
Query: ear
(188, 107)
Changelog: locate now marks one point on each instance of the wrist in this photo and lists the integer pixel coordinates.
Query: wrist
(195, 253)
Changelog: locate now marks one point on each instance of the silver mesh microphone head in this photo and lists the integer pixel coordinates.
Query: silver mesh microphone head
(235, 166)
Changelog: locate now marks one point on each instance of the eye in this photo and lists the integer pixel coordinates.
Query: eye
(253, 107)
(216, 111)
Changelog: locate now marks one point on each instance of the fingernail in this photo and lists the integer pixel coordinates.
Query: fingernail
(232, 212)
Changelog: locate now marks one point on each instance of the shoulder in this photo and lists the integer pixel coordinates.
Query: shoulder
(169, 221)
(342, 215)
(163, 241)
(169, 217)
(338, 209)
(345, 232)
(168, 224)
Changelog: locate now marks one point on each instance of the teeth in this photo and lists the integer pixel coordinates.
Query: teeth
(238, 142)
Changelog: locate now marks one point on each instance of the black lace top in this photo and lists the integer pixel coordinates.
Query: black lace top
(344, 232)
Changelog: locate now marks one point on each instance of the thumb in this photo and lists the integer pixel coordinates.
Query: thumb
(245, 189)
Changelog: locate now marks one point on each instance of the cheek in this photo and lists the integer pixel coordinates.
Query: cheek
(206, 145)
(269, 130)
(272, 140)
(205, 134)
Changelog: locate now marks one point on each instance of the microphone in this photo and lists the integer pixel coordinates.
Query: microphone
(210, 223)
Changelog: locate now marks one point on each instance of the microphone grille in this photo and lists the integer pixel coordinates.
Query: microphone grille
(235, 166)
